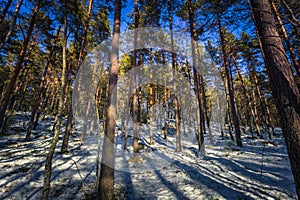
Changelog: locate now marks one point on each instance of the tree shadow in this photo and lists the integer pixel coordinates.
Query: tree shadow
(212, 183)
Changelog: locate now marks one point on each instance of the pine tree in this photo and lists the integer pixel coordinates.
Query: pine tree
(284, 88)
(106, 181)
(58, 119)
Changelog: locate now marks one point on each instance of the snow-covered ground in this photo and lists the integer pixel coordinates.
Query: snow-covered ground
(258, 170)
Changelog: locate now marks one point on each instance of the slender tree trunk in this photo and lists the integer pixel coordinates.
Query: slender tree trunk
(41, 92)
(166, 102)
(18, 104)
(157, 113)
(269, 117)
(219, 117)
(18, 66)
(2, 86)
(249, 123)
(152, 100)
(134, 84)
(204, 107)
(231, 95)
(294, 21)
(176, 103)
(285, 91)
(286, 39)
(99, 133)
(265, 112)
(106, 185)
(202, 116)
(68, 131)
(196, 84)
(3, 14)
(18, 86)
(65, 143)
(255, 77)
(182, 117)
(127, 113)
(248, 99)
(12, 25)
(151, 103)
(206, 113)
(48, 165)
(228, 113)
(54, 101)
(22, 79)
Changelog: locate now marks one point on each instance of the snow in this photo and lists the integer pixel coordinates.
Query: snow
(258, 170)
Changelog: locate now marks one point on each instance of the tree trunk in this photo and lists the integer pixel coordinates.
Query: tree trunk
(248, 99)
(151, 103)
(68, 131)
(256, 80)
(200, 134)
(127, 115)
(2, 16)
(40, 94)
(18, 66)
(204, 107)
(48, 165)
(265, 112)
(176, 103)
(201, 115)
(18, 86)
(231, 95)
(284, 88)
(294, 21)
(166, 102)
(134, 84)
(228, 113)
(206, 113)
(22, 79)
(182, 117)
(219, 117)
(12, 25)
(106, 185)
(286, 39)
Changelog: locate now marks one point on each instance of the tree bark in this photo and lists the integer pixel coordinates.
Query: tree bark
(255, 77)
(48, 165)
(166, 102)
(200, 134)
(205, 111)
(106, 185)
(228, 113)
(286, 39)
(176, 103)
(151, 99)
(285, 91)
(134, 84)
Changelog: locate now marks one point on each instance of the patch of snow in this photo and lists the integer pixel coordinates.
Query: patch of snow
(258, 170)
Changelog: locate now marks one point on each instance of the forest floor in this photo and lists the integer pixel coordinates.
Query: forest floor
(258, 170)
